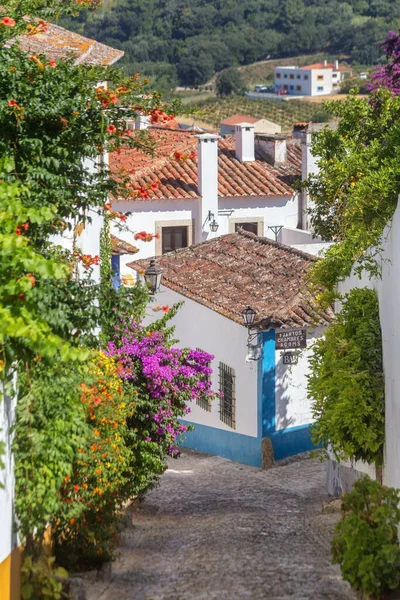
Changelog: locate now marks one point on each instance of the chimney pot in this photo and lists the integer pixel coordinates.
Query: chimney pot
(244, 142)
(336, 64)
(325, 63)
(273, 148)
(207, 166)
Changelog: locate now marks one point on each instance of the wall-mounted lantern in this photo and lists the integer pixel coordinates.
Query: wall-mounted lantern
(213, 223)
(153, 276)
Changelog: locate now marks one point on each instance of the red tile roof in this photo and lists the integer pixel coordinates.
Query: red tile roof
(122, 247)
(178, 179)
(58, 42)
(236, 119)
(321, 65)
(232, 271)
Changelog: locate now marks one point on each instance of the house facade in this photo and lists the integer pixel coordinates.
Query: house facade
(246, 180)
(263, 413)
(319, 79)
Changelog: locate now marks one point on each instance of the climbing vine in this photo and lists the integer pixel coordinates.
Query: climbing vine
(346, 382)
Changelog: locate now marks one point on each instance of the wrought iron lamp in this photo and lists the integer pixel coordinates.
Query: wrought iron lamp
(248, 316)
(213, 223)
(153, 276)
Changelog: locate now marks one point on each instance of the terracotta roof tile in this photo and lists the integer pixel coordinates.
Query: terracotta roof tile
(178, 179)
(321, 65)
(236, 119)
(122, 247)
(232, 271)
(58, 43)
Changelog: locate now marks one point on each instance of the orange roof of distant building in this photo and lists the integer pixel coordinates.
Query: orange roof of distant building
(178, 179)
(321, 65)
(58, 42)
(236, 119)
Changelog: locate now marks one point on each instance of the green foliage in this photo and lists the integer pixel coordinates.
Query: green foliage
(366, 542)
(355, 192)
(229, 81)
(50, 427)
(346, 381)
(199, 37)
(41, 580)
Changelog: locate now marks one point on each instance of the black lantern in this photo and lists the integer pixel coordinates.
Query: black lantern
(248, 315)
(213, 223)
(153, 276)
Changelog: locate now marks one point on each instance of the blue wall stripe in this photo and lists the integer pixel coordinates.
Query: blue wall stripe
(228, 444)
(268, 384)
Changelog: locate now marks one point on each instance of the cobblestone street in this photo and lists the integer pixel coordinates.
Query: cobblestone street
(218, 530)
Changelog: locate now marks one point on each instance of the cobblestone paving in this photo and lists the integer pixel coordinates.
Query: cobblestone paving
(218, 530)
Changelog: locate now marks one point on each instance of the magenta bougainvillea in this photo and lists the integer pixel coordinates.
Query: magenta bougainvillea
(166, 379)
(388, 75)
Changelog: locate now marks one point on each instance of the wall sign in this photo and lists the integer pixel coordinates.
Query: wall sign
(290, 358)
(285, 339)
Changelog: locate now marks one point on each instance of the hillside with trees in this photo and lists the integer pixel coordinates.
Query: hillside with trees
(184, 42)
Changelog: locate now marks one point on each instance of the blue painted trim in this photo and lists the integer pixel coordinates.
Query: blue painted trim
(268, 384)
(287, 442)
(116, 269)
(228, 444)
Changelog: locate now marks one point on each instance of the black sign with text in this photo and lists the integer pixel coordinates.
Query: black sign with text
(286, 339)
(290, 358)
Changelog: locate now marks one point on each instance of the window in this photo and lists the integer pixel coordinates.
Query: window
(298, 88)
(285, 76)
(227, 390)
(291, 76)
(320, 88)
(320, 77)
(251, 227)
(203, 401)
(305, 76)
(285, 87)
(278, 75)
(298, 76)
(292, 87)
(174, 238)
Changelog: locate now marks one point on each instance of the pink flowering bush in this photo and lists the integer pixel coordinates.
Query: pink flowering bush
(388, 76)
(165, 380)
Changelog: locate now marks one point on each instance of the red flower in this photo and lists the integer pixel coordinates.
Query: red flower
(12, 102)
(123, 218)
(107, 206)
(19, 231)
(157, 236)
(141, 235)
(155, 185)
(76, 488)
(7, 22)
(21, 297)
(52, 63)
(165, 309)
(111, 129)
(31, 278)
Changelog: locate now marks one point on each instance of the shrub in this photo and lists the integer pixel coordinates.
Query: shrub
(41, 580)
(346, 381)
(366, 542)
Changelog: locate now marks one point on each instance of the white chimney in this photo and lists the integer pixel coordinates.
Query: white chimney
(325, 63)
(244, 142)
(336, 64)
(273, 147)
(142, 122)
(207, 153)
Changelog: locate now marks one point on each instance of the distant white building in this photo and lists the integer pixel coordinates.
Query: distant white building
(227, 126)
(318, 79)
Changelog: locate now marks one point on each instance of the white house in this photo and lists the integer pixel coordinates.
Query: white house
(55, 43)
(227, 126)
(318, 79)
(264, 412)
(243, 181)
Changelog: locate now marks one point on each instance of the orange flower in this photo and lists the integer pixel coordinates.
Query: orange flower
(165, 309)
(7, 22)
(52, 63)
(72, 521)
(111, 129)
(31, 278)
(66, 478)
(76, 488)
(107, 206)
(12, 102)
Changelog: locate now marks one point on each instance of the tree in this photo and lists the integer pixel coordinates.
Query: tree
(229, 81)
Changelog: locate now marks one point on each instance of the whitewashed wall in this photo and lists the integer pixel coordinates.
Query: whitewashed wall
(293, 407)
(8, 539)
(273, 210)
(200, 327)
